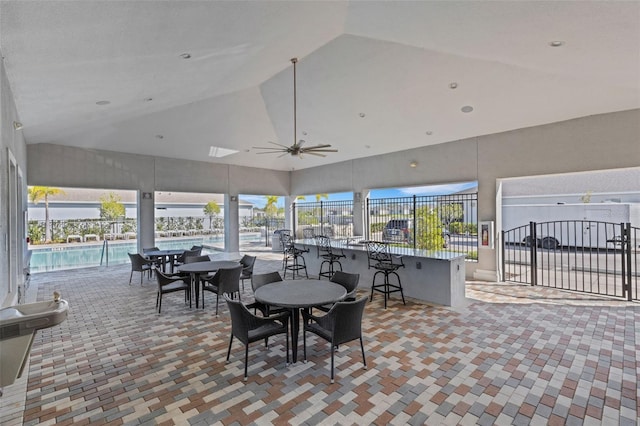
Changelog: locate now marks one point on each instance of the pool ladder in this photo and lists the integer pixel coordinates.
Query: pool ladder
(105, 249)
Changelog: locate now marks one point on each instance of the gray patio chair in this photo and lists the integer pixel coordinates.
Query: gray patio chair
(249, 328)
(194, 251)
(247, 268)
(257, 281)
(342, 324)
(171, 284)
(156, 259)
(348, 281)
(141, 264)
(224, 281)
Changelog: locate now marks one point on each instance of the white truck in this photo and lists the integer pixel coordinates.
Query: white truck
(570, 225)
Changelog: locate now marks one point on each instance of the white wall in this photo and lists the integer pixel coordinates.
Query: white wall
(13, 196)
(62, 166)
(600, 142)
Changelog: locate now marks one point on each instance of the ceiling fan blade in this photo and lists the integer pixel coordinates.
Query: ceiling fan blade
(270, 149)
(283, 154)
(321, 145)
(301, 142)
(278, 144)
(320, 150)
(314, 153)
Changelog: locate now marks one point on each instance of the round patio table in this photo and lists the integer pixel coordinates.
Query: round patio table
(197, 268)
(299, 294)
(167, 256)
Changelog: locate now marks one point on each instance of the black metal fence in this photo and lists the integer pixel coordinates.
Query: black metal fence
(333, 219)
(585, 256)
(444, 222)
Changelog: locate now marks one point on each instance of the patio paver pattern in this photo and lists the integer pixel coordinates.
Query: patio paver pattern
(513, 355)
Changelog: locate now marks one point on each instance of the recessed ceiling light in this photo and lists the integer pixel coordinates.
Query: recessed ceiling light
(148, 99)
(466, 108)
(304, 133)
(217, 152)
(413, 164)
(17, 125)
(367, 146)
(103, 102)
(185, 56)
(556, 43)
(453, 85)
(159, 137)
(429, 132)
(362, 115)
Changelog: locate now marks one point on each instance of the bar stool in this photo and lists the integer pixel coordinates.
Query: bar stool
(294, 255)
(329, 254)
(380, 259)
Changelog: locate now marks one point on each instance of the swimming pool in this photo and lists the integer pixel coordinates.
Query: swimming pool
(83, 256)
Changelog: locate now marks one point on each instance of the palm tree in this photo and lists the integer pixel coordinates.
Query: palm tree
(271, 207)
(37, 193)
(211, 209)
(320, 196)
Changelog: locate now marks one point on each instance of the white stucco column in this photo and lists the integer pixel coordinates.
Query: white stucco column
(146, 219)
(359, 211)
(288, 212)
(231, 223)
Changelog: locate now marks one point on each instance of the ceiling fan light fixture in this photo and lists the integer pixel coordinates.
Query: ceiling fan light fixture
(17, 125)
(297, 149)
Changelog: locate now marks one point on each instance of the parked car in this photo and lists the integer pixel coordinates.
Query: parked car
(401, 230)
(398, 230)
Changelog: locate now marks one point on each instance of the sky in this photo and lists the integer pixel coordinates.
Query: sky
(260, 200)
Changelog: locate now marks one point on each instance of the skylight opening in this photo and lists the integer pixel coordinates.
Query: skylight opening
(217, 152)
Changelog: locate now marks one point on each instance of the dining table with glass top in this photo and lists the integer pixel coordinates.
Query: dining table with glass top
(299, 294)
(196, 269)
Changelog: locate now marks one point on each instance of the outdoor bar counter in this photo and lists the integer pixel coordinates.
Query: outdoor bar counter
(431, 276)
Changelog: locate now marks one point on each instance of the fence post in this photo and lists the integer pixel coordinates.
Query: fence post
(294, 219)
(415, 224)
(322, 217)
(533, 253)
(626, 259)
(367, 220)
(502, 253)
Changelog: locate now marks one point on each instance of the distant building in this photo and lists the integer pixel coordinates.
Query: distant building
(78, 203)
(619, 186)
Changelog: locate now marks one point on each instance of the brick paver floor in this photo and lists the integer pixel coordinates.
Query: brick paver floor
(513, 355)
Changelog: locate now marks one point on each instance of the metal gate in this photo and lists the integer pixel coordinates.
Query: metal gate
(579, 255)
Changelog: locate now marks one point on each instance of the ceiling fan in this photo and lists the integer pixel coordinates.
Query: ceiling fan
(297, 149)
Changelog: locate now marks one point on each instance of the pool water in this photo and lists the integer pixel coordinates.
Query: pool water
(83, 256)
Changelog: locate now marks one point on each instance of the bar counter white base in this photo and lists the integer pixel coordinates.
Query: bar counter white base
(434, 277)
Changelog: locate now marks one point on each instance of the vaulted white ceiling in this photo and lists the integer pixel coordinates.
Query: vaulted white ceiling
(392, 62)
